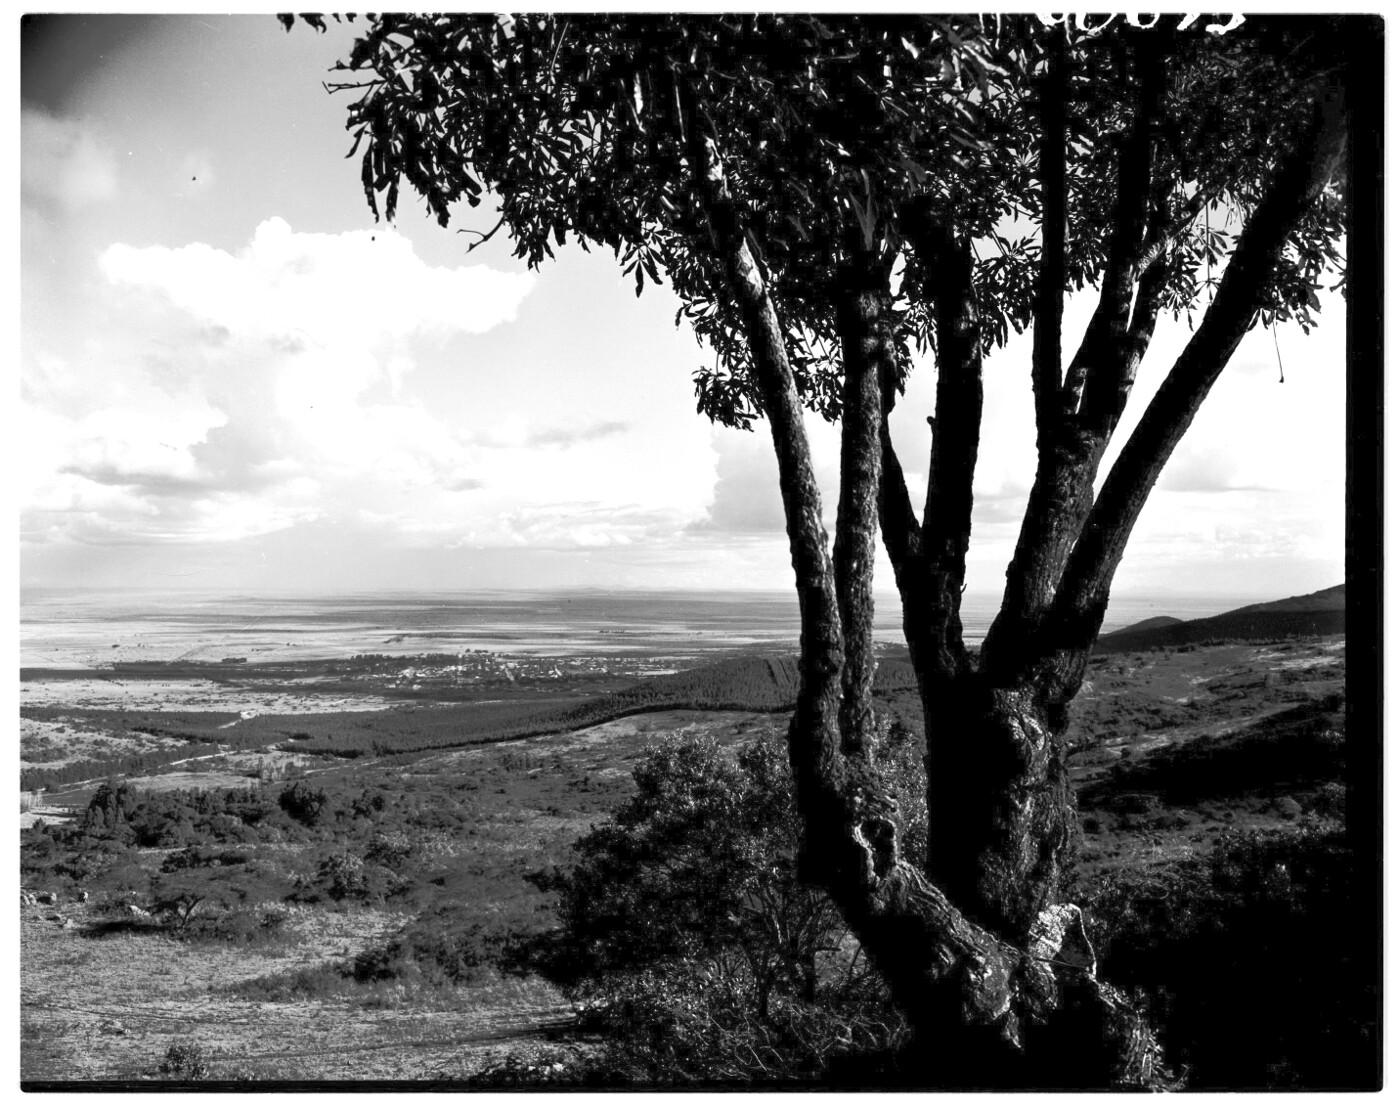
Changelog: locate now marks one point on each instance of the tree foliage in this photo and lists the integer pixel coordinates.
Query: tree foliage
(585, 128)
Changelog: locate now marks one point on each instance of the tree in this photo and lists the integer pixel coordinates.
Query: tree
(785, 173)
(218, 879)
(699, 863)
(686, 928)
(305, 804)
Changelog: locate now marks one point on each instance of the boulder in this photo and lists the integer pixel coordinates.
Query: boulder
(47, 898)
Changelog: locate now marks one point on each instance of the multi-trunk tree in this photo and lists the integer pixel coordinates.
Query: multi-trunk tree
(827, 196)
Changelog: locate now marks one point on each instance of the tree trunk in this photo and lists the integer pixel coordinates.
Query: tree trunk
(1002, 823)
(984, 1001)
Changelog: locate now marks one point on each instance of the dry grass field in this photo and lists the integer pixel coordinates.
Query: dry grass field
(105, 1008)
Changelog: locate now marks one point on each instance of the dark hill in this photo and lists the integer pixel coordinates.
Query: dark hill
(1154, 623)
(1317, 613)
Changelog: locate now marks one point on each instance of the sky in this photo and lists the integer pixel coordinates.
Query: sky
(232, 378)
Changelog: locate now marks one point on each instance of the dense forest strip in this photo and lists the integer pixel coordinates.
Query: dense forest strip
(136, 764)
(741, 684)
(738, 684)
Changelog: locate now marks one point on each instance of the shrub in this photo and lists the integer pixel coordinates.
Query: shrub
(1330, 801)
(302, 802)
(1268, 919)
(185, 1060)
(254, 927)
(343, 876)
(439, 949)
(689, 938)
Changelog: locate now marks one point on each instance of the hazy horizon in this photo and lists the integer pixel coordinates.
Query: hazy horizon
(67, 627)
(982, 595)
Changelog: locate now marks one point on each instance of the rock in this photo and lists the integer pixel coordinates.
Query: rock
(82, 897)
(70, 924)
(47, 898)
(132, 909)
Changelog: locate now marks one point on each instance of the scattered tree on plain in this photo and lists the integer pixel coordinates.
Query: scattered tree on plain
(827, 196)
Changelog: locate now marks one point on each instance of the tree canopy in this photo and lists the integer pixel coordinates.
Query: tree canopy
(827, 129)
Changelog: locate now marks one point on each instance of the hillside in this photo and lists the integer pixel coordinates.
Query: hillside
(1154, 623)
(1317, 613)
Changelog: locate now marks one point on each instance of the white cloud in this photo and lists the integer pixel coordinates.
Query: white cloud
(283, 384)
(333, 291)
(62, 161)
(290, 387)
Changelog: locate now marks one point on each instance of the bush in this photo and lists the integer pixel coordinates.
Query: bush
(689, 939)
(302, 802)
(185, 1060)
(1265, 920)
(437, 949)
(253, 927)
(1330, 801)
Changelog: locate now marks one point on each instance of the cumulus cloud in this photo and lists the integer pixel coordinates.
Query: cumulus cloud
(314, 377)
(302, 291)
(746, 497)
(63, 163)
(282, 386)
(1209, 468)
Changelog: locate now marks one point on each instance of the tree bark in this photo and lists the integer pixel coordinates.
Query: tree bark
(1002, 815)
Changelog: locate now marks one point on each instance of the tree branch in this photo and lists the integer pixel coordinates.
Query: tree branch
(1050, 279)
(899, 526)
(1159, 244)
(1091, 398)
(862, 315)
(1300, 179)
(816, 721)
(1093, 366)
(1108, 392)
(957, 422)
(903, 538)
